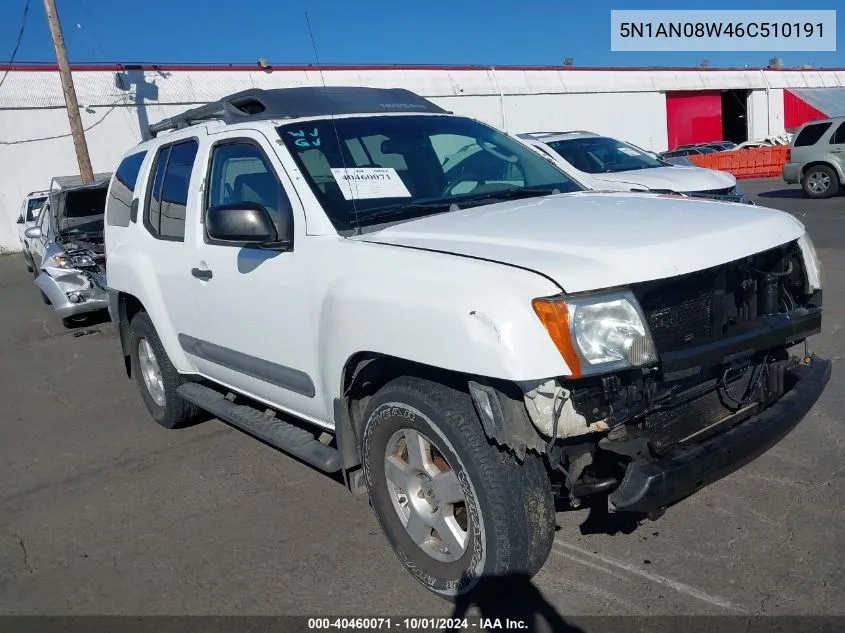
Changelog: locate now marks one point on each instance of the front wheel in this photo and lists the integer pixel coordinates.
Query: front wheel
(156, 376)
(820, 181)
(453, 506)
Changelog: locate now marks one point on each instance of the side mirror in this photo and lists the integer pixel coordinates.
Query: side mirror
(33, 233)
(20, 219)
(246, 223)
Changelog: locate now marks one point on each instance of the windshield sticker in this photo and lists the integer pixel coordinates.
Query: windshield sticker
(363, 183)
(303, 139)
(629, 151)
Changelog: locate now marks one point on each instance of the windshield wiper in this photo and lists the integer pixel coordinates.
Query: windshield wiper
(513, 193)
(377, 216)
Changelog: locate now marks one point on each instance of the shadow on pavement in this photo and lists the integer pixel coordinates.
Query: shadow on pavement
(601, 521)
(783, 193)
(513, 598)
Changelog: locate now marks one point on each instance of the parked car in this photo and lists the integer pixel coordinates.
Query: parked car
(686, 151)
(679, 160)
(609, 164)
(463, 338)
(816, 158)
(29, 213)
(68, 251)
(716, 146)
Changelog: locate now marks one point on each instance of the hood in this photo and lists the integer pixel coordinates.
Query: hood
(589, 241)
(676, 178)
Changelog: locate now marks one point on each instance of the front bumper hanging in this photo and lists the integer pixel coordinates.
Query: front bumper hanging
(652, 482)
(73, 293)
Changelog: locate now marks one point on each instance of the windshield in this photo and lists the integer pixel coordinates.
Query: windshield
(398, 167)
(602, 155)
(35, 203)
(33, 206)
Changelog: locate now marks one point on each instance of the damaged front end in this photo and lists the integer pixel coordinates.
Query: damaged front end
(73, 276)
(721, 389)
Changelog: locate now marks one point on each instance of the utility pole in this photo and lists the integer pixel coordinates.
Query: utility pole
(79, 143)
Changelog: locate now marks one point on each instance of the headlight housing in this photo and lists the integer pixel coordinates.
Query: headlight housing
(73, 261)
(812, 263)
(598, 333)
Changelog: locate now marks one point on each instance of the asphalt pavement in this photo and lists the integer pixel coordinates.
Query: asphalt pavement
(104, 512)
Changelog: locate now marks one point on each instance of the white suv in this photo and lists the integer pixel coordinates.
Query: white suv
(464, 343)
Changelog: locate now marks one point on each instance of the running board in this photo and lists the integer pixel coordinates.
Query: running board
(265, 425)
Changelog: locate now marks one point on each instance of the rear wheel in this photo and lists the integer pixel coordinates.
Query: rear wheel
(820, 181)
(156, 376)
(453, 506)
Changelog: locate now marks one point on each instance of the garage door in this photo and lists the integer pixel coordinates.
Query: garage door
(693, 117)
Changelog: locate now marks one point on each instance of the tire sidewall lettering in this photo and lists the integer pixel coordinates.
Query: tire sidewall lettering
(405, 413)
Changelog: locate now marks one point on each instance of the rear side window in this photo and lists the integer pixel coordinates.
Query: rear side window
(838, 137)
(811, 134)
(119, 204)
(164, 215)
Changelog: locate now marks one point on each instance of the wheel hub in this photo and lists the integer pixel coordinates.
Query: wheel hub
(427, 495)
(151, 372)
(428, 492)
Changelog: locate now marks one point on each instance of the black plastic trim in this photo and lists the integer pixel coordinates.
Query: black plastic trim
(775, 331)
(653, 483)
(273, 373)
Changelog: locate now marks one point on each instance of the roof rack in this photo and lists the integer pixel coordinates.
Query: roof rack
(291, 103)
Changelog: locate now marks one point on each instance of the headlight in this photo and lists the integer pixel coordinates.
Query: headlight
(599, 333)
(811, 262)
(74, 261)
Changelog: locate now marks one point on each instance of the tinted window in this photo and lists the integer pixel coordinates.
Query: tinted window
(119, 203)
(839, 135)
(241, 173)
(404, 161)
(168, 198)
(811, 134)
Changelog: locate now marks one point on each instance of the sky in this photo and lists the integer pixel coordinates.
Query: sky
(484, 32)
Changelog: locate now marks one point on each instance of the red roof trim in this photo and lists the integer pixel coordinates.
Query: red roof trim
(356, 67)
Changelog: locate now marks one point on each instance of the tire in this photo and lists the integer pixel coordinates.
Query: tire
(820, 181)
(28, 262)
(507, 516)
(174, 412)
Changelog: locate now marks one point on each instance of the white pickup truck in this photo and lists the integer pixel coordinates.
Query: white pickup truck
(465, 344)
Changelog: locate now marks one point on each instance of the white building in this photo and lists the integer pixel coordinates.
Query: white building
(654, 108)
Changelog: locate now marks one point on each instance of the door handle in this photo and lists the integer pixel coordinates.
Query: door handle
(202, 274)
(836, 151)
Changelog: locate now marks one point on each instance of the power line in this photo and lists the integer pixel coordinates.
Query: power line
(17, 44)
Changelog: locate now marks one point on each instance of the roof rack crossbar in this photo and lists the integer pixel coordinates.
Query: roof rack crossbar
(286, 103)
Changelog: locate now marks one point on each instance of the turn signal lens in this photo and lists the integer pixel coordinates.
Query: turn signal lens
(555, 317)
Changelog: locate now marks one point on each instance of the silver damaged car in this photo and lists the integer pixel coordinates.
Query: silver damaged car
(68, 248)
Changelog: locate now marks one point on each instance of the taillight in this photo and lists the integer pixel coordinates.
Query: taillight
(788, 154)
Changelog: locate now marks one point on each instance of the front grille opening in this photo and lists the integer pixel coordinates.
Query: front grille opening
(706, 306)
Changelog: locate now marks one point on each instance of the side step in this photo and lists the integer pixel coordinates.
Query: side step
(269, 428)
